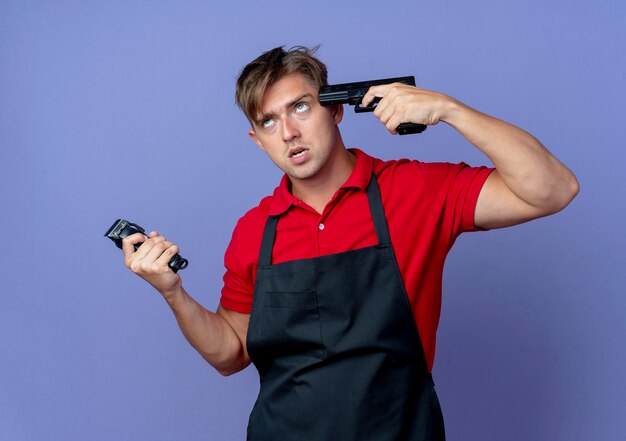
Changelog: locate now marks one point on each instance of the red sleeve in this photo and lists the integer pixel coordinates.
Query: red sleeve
(453, 190)
(241, 260)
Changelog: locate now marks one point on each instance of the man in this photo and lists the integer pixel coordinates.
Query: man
(333, 284)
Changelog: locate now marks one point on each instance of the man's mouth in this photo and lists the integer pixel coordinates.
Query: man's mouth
(297, 152)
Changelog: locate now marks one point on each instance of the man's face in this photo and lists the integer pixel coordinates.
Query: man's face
(296, 132)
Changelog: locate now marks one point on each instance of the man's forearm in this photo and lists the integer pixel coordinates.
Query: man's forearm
(527, 168)
(209, 333)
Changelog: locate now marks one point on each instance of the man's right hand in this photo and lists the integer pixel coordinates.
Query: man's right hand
(150, 261)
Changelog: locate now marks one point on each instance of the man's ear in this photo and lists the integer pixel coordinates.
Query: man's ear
(255, 138)
(337, 111)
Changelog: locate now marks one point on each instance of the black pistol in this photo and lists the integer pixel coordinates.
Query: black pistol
(122, 228)
(353, 93)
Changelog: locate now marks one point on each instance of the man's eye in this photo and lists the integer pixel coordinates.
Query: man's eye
(267, 123)
(302, 107)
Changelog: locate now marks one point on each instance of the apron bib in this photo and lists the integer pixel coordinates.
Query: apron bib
(337, 349)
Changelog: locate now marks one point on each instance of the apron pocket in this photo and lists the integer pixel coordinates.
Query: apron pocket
(291, 324)
(304, 299)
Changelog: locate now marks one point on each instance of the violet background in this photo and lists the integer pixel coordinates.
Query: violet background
(125, 109)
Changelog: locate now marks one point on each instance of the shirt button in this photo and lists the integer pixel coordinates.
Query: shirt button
(321, 226)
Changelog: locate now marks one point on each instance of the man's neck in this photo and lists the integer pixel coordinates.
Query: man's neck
(319, 190)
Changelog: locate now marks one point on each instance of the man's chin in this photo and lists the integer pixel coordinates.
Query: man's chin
(301, 174)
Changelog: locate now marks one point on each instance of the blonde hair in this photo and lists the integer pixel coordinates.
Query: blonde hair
(269, 68)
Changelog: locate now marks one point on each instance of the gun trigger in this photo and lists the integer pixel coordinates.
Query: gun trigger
(358, 108)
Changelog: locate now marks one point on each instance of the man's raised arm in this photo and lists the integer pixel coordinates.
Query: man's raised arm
(529, 182)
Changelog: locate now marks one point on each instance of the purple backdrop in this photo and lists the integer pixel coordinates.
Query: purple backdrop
(125, 109)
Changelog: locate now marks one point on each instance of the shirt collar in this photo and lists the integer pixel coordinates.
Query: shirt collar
(282, 198)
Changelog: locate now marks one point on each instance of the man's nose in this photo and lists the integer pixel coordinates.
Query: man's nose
(289, 129)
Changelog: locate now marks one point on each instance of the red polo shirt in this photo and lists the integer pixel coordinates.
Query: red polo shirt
(427, 206)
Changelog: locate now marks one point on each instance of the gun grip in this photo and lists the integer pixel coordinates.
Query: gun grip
(410, 128)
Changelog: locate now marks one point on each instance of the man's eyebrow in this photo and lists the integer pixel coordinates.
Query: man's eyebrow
(263, 117)
(290, 104)
(301, 97)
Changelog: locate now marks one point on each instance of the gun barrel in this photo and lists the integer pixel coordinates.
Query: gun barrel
(352, 93)
(333, 97)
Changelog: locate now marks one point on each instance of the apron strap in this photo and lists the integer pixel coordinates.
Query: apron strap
(376, 210)
(267, 243)
(378, 214)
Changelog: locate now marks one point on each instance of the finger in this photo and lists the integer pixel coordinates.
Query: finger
(387, 106)
(373, 92)
(398, 108)
(128, 243)
(157, 250)
(393, 124)
(391, 128)
(385, 91)
(385, 109)
(148, 245)
(167, 255)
